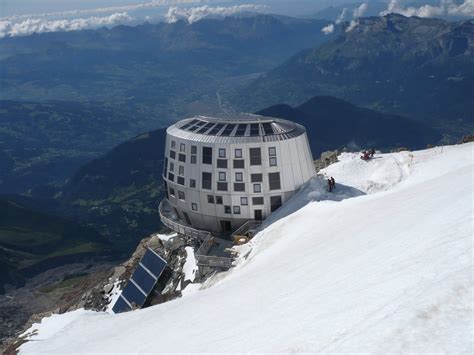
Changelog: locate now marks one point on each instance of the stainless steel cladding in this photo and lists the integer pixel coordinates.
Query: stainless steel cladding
(222, 171)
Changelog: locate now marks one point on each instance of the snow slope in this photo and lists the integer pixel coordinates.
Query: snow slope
(389, 270)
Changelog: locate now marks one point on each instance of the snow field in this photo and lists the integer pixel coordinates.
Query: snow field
(390, 271)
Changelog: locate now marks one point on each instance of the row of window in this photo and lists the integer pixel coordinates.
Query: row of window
(275, 201)
(254, 153)
(274, 181)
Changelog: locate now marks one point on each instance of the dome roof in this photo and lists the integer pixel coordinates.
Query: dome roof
(248, 127)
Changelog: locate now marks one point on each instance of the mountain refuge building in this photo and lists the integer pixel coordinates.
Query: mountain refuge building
(222, 171)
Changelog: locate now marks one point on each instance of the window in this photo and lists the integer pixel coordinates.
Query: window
(221, 152)
(181, 195)
(257, 200)
(239, 164)
(165, 171)
(219, 200)
(239, 186)
(222, 163)
(182, 147)
(172, 154)
(193, 154)
(221, 186)
(206, 155)
(170, 176)
(238, 153)
(181, 170)
(272, 154)
(227, 210)
(171, 166)
(257, 188)
(192, 183)
(207, 181)
(274, 181)
(194, 206)
(236, 209)
(182, 158)
(275, 202)
(181, 180)
(256, 177)
(255, 156)
(244, 201)
(239, 177)
(222, 176)
(172, 193)
(173, 144)
(210, 198)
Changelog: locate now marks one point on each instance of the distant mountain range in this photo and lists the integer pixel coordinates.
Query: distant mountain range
(421, 68)
(333, 123)
(45, 143)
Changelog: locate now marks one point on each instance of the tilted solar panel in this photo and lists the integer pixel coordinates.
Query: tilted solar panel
(121, 306)
(153, 262)
(144, 279)
(141, 283)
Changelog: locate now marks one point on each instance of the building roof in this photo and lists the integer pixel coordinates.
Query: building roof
(243, 127)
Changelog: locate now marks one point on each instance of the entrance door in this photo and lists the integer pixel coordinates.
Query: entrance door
(258, 215)
(226, 226)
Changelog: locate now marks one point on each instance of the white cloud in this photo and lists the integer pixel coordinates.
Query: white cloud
(341, 16)
(360, 11)
(445, 7)
(328, 29)
(352, 25)
(38, 25)
(194, 14)
(112, 9)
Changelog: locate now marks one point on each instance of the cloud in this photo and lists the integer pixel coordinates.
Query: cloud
(38, 25)
(445, 7)
(341, 16)
(328, 29)
(194, 14)
(360, 11)
(352, 25)
(112, 9)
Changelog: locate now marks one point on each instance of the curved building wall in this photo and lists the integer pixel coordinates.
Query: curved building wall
(217, 183)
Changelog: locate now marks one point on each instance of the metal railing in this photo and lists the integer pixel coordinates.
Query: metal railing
(249, 227)
(219, 262)
(203, 260)
(179, 227)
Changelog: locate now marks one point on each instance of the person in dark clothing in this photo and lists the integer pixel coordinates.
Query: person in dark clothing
(333, 182)
(365, 155)
(329, 185)
(372, 152)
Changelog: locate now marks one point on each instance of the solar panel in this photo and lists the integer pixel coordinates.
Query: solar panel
(141, 283)
(254, 130)
(241, 128)
(228, 130)
(121, 305)
(216, 129)
(206, 127)
(267, 128)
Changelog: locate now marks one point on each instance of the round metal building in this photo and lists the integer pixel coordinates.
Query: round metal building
(222, 171)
